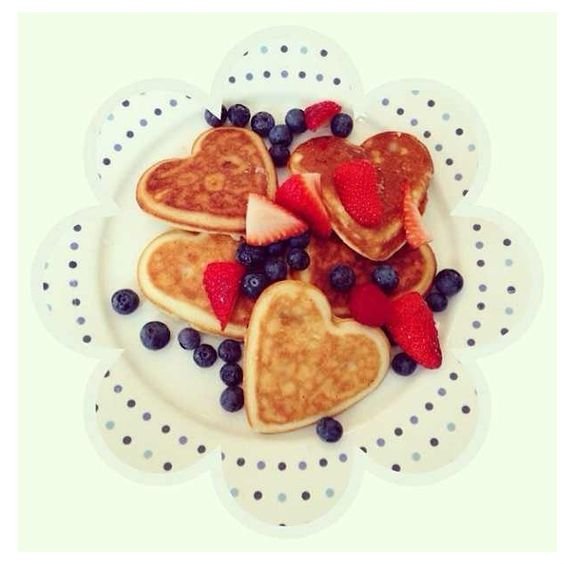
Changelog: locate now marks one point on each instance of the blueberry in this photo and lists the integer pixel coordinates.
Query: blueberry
(253, 284)
(342, 277)
(449, 282)
(385, 276)
(229, 350)
(403, 364)
(295, 120)
(231, 374)
(280, 135)
(189, 338)
(279, 155)
(276, 249)
(249, 255)
(238, 115)
(329, 429)
(232, 398)
(436, 301)
(205, 356)
(299, 241)
(262, 123)
(297, 259)
(276, 269)
(213, 120)
(341, 125)
(125, 301)
(155, 335)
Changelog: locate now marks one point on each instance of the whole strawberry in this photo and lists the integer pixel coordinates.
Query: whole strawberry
(412, 327)
(221, 283)
(359, 184)
(320, 113)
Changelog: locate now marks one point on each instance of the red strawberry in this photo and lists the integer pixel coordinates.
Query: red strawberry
(369, 305)
(318, 114)
(266, 222)
(301, 195)
(358, 184)
(221, 283)
(415, 231)
(413, 328)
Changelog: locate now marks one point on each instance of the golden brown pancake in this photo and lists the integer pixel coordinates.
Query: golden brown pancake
(208, 190)
(416, 269)
(170, 273)
(302, 364)
(399, 156)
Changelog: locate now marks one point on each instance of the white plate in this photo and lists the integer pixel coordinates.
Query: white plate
(168, 407)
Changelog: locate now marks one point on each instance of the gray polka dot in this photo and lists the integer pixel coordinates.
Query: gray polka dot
(266, 74)
(504, 331)
(319, 77)
(416, 456)
(303, 50)
(323, 52)
(380, 442)
(183, 440)
(146, 416)
(117, 388)
(234, 492)
(143, 122)
(480, 263)
(481, 306)
(117, 147)
(282, 497)
(343, 457)
(110, 425)
(284, 48)
(264, 49)
(284, 74)
(249, 76)
(509, 310)
(231, 80)
(302, 465)
(110, 117)
(458, 176)
(508, 262)
(479, 245)
(511, 289)
(385, 101)
(336, 81)
(80, 320)
(471, 147)
(414, 420)
(73, 283)
(446, 116)
(415, 92)
(173, 103)
(451, 427)
(329, 492)
(476, 324)
(73, 246)
(482, 287)
(441, 392)
(438, 147)
(414, 122)
(302, 74)
(148, 454)
(261, 465)
(470, 342)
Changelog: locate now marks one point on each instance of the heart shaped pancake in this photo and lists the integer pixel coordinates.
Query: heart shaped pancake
(399, 156)
(302, 364)
(170, 273)
(208, 190)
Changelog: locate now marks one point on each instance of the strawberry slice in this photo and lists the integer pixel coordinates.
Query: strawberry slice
(300, 194)
(369, 305)
(221, 283)
(415, 232)
(320, 113)
(359, 184)
(267, 222)
(412, 327)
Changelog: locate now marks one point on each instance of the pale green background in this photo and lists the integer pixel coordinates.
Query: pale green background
(504, 499)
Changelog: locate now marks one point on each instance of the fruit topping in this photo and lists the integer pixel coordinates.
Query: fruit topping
(262, 123)
(320, 113)
(221, 283)
(300, 194)
(229, 350)
(385, 277)
(369, 305)
(295, 120)
(231, 374)
(253, 284)
(189, 338)
(449, 282)
(276, 269)
(297, 259)
(205, 356)
(359, 183)
(403, 364)
(248, 255)
(238, 115)
(232, 398)
(329, 429)
(436, 301)
(155, 335)
(342, 277)
(276, 249)
(125, 301)
(412, 326)
(280, 135)
(214, 121)
(415, 232)
(267, 222)
(299, 241)
(279, 155)
(341, 125)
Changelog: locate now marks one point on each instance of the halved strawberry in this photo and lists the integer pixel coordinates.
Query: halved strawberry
(300, 193)
(415, 232)
(320, 113)
(359, 183)
(267, 222)
(412, 327)
(369, 305)
(221, 283)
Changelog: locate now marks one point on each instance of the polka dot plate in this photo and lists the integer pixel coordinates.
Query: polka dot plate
(155, 416)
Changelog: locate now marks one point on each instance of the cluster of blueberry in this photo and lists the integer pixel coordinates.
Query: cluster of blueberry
(155, 335)
(279, 135)
(270, 263)
(342, 278)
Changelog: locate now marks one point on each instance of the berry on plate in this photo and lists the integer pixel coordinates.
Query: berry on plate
(415, 232)
(403, 364)
(369, 305)
(342, 277)
(449, 282)
(275, 269)
(279, 155)
(253, 284)
(262, 123)
(155, 335)
(295, 120)
(280, 135)
(385, 277)
(238, 115)
(297, 259)
(329, 429)
(267, 222)
(436, 301)
(320, 113)
(125, 301)
(412, 326)
(232, 398)
(276, 249)
(229, 350)
(214, 121)
(299, 241)
(205, 356)
(221, 283)
(359, 183)
(231, 374)
(188, 338)
(300, 194)
(341, 125)
(248, 255)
